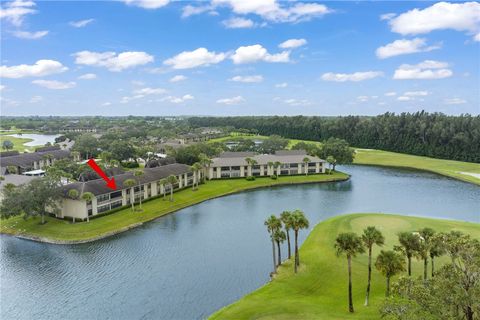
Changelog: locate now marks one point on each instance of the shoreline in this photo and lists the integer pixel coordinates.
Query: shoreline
(42, 239)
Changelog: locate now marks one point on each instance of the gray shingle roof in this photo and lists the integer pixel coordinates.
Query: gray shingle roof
(98, 186)
(27, 159)
(263, 159)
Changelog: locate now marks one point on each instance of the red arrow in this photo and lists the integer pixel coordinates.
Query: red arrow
(110, 182)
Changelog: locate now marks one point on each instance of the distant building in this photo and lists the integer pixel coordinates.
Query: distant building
(32, 161)
(291, 162)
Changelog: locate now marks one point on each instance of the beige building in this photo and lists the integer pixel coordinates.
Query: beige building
(284, 162)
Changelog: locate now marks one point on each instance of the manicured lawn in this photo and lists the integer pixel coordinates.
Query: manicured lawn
(448, 168)
(319, 290)
(17, 143)
(61, 230)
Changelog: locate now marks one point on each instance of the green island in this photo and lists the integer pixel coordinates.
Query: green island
(61, 231)
(319, 290)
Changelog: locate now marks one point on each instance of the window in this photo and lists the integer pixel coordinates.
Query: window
(189, 174)
(115, 194)
(116, 204)
(90, 212)
(103, 208)
(103, 197)
(225, 168)
(236, 168)
(225, 175)
(293, 165)
(311, 170)
(284, 172)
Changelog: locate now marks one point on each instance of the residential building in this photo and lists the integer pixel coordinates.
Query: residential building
(284, 162)
(24, 162)
(106, 199)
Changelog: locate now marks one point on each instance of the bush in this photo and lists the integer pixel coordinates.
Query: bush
(130, 164)
(250, 178)
(273, 177)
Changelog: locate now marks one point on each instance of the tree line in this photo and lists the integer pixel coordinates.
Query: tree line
(427, 134)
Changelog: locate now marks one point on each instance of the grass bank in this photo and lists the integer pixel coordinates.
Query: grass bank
(466, 171)
(319, 290)
(61, 231)
(18, 143)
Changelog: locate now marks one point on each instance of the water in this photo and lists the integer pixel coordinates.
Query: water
(189, 264)
(38, 139)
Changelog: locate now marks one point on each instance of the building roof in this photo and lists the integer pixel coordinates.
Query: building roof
(27, 159)
(16, 180)
(98, 186)
(238, 158)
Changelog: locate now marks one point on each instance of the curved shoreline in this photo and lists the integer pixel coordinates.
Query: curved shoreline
(31, 237)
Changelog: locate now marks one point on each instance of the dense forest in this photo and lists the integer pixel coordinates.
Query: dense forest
(428, 134)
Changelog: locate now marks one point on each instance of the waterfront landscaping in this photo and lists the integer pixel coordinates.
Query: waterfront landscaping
(319, 290)
(62, 231)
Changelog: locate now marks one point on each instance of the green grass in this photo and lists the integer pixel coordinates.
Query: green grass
(17, 143)
(448, 168)
(60, 230)
(319, 290)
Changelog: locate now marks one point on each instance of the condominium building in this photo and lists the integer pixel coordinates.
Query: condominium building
(32, 161)
(105, 199)
(284, 162)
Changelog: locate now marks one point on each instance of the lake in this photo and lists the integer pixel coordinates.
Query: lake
(37, 139)
(189, 264)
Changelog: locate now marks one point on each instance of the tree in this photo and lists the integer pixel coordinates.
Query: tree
(273, 224)
(424, 247)
(436, 250)
(286, 218)
(73, 194)
(331, 161)
(277, 165)
(270, 166)
(87, 145)
(389, 263)
(299, 221)
(206, 162)
(338, 149)
(122, 151)
(196, 168)
(306, 160)
(130, 183)
(279, 237)
(163, 183)
(12, 169)
(349, 244)
(250, 162)
(106, 158)
(138, 174)
(171, 180)
(88, 197)
(371, 236)
(7, 145)
(409, 244)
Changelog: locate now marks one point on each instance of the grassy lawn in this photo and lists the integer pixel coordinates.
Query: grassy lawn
(60, 230)
(448, 168)
(17, 143)
(319, 290)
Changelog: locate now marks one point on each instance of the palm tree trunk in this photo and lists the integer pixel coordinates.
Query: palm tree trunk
(274, 261)
(387, 293)
(279, 259)
(297, 262)
(171, 193)
(409, 266)
(350, 300)
(141, 194)
(425, 264)
(164, 193)
(369, 274)
(43, 218)
(288, 241)
(432, 267)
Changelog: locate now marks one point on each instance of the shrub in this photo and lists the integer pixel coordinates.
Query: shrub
(273, 177)
(250, 178)
(130, 164)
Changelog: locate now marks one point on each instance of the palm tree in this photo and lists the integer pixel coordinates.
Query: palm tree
(130, 183)
(306, 160)
(277, 165)
(279, 237)
(299, 221)
(88, 197)
(389, 263)
(163, 183)
(349, 244)
(425, 245)
(73, 194)
(371, 236)
(196, 167)
(409, 243)
(249, 163)
(171, 180)
(286, 218)
(273, 224)
(137, 174)
(331, 160)
(270, 167)
(436, 250)
(206, 162)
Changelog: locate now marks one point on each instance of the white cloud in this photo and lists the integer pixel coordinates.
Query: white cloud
(113, 61)
(54, 84)
(477, 37)
(30, 35)
(177, 78)
(390, 94)
(238, 23)
(87, 76)
(149, 91)
(177, 100)
(297, 102)
(387, 16)
(281, 85)
(404, 46)
(404, 98)
(439, 16)
(2, 87)
(190, 10)
(41, 68)
(197, 58)
(357, 76)
(416, 93)
(428, 69)
(292, 43)
(106, 104)
(15, 11)
(454, 101)
(272, 11)
(137, 83)
(231, 101)
(147, 4)
(81, 23)
(248, 79)
(362, 98)
(255, 53)
(36, 99)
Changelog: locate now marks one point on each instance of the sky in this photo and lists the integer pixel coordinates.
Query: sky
(238, 57)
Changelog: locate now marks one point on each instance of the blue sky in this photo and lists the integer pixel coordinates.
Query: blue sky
(227, 57)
